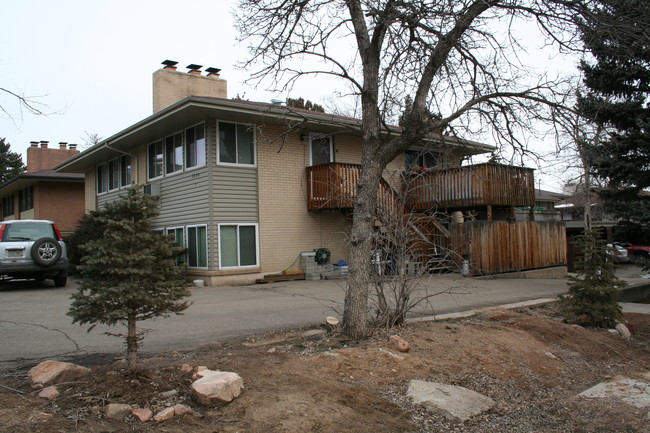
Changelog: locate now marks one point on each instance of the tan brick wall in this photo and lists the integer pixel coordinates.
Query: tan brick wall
(61, 202)
(90, 192)
(171, 86)
(286, 227)
(139, 165)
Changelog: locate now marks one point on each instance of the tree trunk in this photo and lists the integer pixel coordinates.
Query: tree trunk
(355, 315)
(132, 342)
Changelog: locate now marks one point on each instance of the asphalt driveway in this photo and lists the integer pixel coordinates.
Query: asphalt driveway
(34, 325)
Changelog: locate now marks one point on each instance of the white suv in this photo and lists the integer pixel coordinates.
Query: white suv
(33, 249)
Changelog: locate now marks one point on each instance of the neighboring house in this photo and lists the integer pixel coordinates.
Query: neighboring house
(247, 187)
(42, 193)
(544, 209)
(572, 211)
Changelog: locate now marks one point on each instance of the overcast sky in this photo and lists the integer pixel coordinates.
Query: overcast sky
(91, 63)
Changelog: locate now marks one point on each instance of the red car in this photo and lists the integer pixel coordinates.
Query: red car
(636, 250)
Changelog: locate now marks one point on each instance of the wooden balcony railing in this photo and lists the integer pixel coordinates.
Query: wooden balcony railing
(470, 187)
(333, 186)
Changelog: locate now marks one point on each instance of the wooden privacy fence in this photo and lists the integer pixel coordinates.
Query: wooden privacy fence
(498, 246)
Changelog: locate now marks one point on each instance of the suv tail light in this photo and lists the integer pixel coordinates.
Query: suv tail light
(56, 230)
(2, 230)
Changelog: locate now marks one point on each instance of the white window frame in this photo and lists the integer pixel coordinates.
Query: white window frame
(165, 159)
(117, 162)
(186, 144)
(313, 135)
(162, 141)
(207, 246)
(129, 180)
(113, 175)
(103, 168)
(257, 245)
(254, 150)
(168, 231)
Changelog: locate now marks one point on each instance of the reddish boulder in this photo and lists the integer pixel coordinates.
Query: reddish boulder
(52, 372)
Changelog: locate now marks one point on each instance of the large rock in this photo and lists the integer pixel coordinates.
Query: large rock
(399, 343)
(53, 372)
(632, 391)
(217, 387)
(453, 402)
(117, 410)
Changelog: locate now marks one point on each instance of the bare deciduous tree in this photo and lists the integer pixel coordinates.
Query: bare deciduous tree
(457, 58)
(24, 103)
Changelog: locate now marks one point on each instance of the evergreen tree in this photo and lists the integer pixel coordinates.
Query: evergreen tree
(618, 81)
(129, 273)
(592, 299)
(11, 163)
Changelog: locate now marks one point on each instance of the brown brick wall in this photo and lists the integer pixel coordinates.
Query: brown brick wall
(44, 158)
(61, 202)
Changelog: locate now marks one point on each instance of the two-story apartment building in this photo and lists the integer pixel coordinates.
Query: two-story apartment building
(234, 176)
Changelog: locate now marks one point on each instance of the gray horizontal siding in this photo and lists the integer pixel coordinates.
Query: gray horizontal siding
(108, 197)
(235, 194)
(185, 199)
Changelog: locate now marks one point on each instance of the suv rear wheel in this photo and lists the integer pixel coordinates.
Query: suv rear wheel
(46, 251)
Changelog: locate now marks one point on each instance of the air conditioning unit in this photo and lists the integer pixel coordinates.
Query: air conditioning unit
(151, 189)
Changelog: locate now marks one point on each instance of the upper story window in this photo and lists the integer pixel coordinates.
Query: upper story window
(26, 199)
(182, 150)
(114, 174)
(236, 144)
(156, 159)
(195, 146)
(420, 160)
(125, 170)
(174, 153)
(321, 149)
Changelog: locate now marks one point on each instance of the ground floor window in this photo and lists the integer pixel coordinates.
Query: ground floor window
(197, 247)
(178, 234)
(238, 245)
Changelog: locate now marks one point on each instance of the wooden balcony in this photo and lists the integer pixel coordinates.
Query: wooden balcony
(470, 187)
(333, 186)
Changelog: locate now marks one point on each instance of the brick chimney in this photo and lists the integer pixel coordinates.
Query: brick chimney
(171, 85)
(41, 157)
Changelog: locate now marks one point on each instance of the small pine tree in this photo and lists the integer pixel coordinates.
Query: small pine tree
(592, 299)
(129, 273)
(90, 226)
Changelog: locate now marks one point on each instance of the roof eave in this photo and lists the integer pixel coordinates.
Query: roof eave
(81, 161)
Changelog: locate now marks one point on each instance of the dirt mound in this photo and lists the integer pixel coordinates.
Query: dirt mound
(530, 362)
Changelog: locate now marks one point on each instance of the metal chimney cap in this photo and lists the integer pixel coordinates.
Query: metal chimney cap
(212, 70)
(194, 67)
(169, 63)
